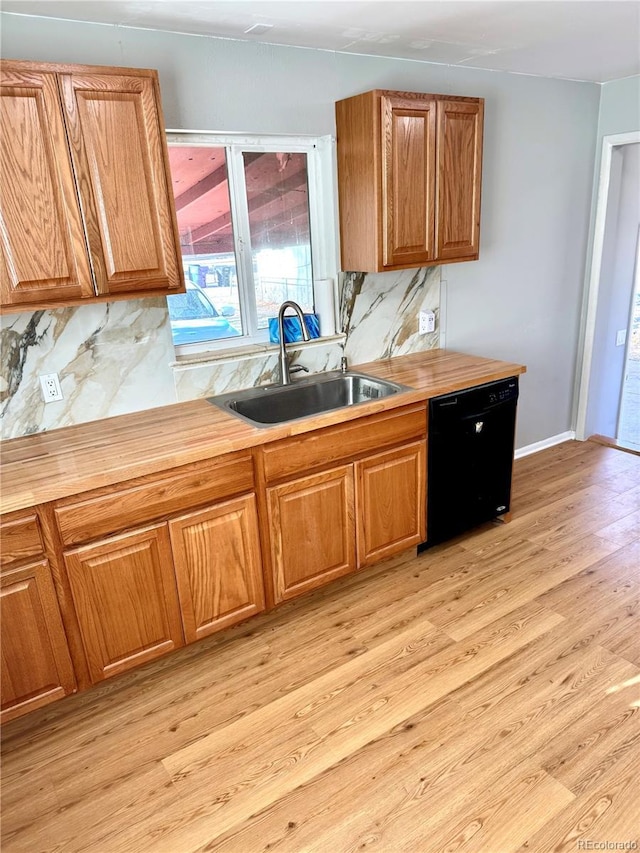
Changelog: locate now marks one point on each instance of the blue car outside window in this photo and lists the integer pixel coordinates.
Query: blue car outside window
(191, 306)
(194, 319)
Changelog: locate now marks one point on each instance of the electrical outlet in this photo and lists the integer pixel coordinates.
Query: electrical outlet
(51, 389)
(426, 322)
(621, 337)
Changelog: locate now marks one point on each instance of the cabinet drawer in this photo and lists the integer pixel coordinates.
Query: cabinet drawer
(20, 538)
(343, 441)
(110, 510)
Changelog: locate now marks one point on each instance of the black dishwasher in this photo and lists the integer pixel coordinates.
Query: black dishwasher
(470, 459)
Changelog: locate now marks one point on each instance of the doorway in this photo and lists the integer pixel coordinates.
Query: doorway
(628, 433)
(610, 358)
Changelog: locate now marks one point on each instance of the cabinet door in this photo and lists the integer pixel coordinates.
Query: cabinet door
(117, 144)
(125, 598)
(36, 666)
(217, 560)
(408, 180)
(459, 179)
(43, 256)
(312, 531)
(391, 502)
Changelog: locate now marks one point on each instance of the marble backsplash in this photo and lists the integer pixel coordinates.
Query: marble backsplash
(118, 357)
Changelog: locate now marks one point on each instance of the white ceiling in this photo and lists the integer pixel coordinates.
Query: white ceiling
(596, 40)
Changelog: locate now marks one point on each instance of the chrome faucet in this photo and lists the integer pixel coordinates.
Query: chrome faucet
(285, 378)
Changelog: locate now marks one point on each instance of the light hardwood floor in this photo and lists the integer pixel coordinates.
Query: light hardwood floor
(481, 697)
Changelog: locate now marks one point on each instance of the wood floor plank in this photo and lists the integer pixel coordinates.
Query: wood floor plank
(624, 643)
(25, 798)
(83, 823)
(443, 771)
(625, 531)
(533, 571)
(399, 823)
(158, 730)
(610, 627)
(618, 573)
(501, 817)
(614, 472)
(347, 790)
(410, 816)
(608, 609)
(448, 769)
(266, 777)
(608, 813)
(606, 734)
(298, 818)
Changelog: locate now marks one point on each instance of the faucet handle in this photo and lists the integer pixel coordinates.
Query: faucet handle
(343, 364)
(296, 368)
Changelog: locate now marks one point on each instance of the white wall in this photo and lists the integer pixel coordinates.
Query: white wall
(615, 291)
(521, 300)
(619, 107)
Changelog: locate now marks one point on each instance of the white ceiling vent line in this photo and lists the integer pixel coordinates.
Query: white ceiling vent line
(258, 29)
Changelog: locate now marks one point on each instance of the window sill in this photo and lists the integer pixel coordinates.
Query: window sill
(242, 353)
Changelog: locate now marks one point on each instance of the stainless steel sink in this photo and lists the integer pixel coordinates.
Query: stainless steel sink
(276, 404)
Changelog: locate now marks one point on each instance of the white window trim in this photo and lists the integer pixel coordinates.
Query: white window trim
(320, 151)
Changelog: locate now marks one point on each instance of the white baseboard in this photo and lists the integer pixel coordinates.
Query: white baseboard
(546, 442)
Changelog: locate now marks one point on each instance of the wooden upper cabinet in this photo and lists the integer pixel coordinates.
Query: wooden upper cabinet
(118, 147)
(459, 179)
(43, 257)
(409, 179)
(408, 176)
(86, 191)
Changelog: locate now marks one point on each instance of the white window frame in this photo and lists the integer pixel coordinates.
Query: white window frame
(320, 151)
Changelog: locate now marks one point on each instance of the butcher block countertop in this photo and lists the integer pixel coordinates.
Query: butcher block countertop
(51, 465)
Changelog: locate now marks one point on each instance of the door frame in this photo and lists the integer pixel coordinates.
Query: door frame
(590, 301)
(627, 349)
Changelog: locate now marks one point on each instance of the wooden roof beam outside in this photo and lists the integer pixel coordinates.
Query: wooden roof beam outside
(208, 183)
(260, 200)
(211, 181)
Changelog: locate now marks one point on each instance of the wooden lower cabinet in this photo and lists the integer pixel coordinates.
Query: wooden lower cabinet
(312, 527)
(216, 553)
(390, 500)
(365, 505)
(36, 666)
(171, 558)
(125, 597)
(328, 524)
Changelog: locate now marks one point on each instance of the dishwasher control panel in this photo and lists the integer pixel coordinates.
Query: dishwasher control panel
(505, 391)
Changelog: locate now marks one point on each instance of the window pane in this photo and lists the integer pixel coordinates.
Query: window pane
(278, 201)
(210, 309)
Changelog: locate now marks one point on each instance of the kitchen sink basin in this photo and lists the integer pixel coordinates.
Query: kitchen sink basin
(276, 404)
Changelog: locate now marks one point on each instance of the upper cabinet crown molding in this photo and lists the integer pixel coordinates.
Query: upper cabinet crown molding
(409, 179)
(86, 204)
